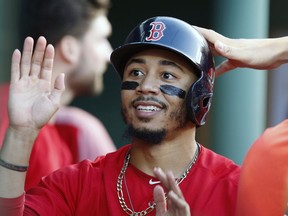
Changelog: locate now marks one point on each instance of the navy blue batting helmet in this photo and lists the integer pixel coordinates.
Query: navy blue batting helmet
(181, 38)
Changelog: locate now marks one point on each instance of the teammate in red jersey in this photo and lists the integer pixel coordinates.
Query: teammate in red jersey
(82, 52)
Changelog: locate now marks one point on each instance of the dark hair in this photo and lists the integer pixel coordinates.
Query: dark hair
(57, 18)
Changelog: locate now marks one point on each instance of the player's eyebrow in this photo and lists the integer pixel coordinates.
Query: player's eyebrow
(161, 62)
(170, 63)
(136, 60)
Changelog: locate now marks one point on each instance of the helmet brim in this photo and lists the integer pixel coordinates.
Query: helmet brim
(122, 54)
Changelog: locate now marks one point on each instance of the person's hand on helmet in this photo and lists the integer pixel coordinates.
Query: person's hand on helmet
(261, 54)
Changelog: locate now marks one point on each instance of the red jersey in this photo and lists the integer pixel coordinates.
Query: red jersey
(89, 188)
(263, 182)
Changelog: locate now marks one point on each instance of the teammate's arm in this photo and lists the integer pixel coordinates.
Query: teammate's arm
(266, 53)
(33, 99)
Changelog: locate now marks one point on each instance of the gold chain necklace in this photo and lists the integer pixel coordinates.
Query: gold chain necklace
(152, 205)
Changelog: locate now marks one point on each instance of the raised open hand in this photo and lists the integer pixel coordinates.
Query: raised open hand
(177, 204)
(33, 96)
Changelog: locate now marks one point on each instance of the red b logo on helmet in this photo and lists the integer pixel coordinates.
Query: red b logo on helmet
(156, 32)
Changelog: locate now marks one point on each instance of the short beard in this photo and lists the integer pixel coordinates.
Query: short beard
(155, 136)
(149, 136)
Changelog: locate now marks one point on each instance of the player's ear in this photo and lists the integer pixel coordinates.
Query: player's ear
(70, 49)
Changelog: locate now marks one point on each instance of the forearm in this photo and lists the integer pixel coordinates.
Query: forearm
(281, 44)
(16, 150)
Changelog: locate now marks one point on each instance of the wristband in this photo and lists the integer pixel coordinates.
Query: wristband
(13, 167)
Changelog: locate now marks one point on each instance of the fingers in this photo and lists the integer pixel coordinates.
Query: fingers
(38, 55)
(25, 64)
(15, 69)
(159, 199)
(173, 186)
(38, 65)
(220, 45)
(167, 180)
(161, 176)
(177, 204)
(47, 66)
(176, 201)
(210, 35)
(213, 38)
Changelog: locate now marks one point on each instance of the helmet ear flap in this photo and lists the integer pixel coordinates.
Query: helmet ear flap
(205, 103)
(198, 102)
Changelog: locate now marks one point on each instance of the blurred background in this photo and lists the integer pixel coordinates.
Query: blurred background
(245, 101)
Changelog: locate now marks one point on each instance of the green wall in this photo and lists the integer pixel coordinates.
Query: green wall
(9, 12)
(239, 108)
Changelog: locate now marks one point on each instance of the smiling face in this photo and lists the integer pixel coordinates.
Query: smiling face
(153, 94)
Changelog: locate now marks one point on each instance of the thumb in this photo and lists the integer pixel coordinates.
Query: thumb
(58, 89)
(224, 67)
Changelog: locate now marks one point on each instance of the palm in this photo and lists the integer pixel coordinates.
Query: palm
(32, 98)
(28, 106)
